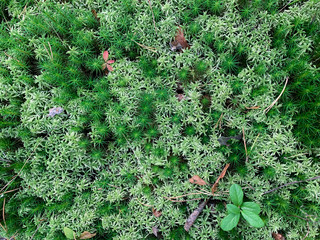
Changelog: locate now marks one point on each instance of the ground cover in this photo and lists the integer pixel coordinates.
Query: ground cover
(118, 118)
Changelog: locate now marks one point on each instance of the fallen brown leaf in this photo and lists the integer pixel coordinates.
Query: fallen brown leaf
(156, 213)
(254, 107)
(192, 218)
(278, 236)
(197, 180)
(87, 235)
(215, 185)
(179, 42)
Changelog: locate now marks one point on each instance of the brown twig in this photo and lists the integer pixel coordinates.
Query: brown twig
(11, 190)
(215, 126)
(152, 49)
(10, 56)
(20, 170)
(275, 101)
(154, 22)
(290, 183)
(50, 50)
(194, 199)
(245, 144)
(255, 140)
(305, 219)
(24, 9)
(3, 216)
(308, 231)
(147, 205)
(188, 194)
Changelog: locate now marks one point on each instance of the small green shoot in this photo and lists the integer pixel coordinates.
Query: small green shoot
(249, 210)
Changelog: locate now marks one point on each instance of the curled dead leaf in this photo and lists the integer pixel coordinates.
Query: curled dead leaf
(179, 42)
(156, 213)
(215, 185)
(87, 235)
(197, 180)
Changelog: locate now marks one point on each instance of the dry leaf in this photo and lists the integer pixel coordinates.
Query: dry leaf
(87, 235)
(179, 42)
(155, 231)
(278, 236)
(192, 218)
(197, 180)
(254, 107)
(215, 185)
(156, 213)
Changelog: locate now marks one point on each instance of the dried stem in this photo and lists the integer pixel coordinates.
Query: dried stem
(188, 200)
(290, 183)
(275, 101)
(147, 205)
(255, 140)
(3, 216)
(152, 49)
(154, 22)
(220, 118)
(245, 144)
(1, 191)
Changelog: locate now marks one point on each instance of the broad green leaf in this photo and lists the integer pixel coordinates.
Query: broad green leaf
(252, 218)
(233, 209)
(69, 233)
(236, 194)
(250, 207)
(230, 221)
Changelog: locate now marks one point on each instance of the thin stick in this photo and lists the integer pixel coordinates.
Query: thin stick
(300, 154)
(50, 50)
(24, 9)
(215, 126)
(2, 227)
(290, 183)
(3, 216)
(154, 22)
(307, 231)
(285, 6)
(145, 47)
(113, 185)
(188, 194)
(35, 231)
(275, 101)
(147, 205)
(10, 56)
(47, 51)
(245, 144)
(203, 191)
(11, 191)
(20, 169)
(255, 140)
(194, 199)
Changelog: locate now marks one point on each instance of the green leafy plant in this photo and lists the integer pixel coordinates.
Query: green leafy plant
(248, 210)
